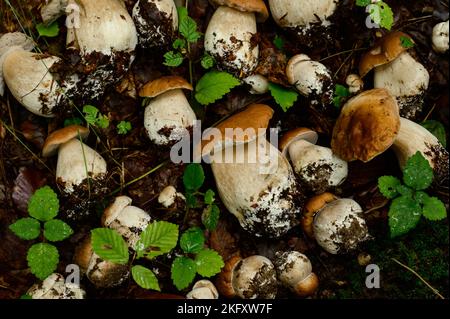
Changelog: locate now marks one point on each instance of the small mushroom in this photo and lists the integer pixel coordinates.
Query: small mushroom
(129, 221)
(76, 161)
(355, 83)
(336, 224)
(311, 78)
(253, 277)
(229, 37)
(255, 181)
(398, 72)
(258, 84)
(102, 273)
(294, 271)
(316, 166)
(440, 37)
(56, 287)
(168, 196)
(367, 126)
(156, 22)
(203, 289)
(168, 116)
(53, 9)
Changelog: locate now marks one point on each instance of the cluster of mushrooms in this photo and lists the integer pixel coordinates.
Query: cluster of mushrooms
(267, 195)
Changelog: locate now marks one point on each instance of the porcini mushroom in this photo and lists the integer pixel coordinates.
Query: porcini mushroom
(253, 277)
(258, 84)
(56, 287)
(168, 116)
(76, 161)
(230, 33)
(102, 273)
(367, 126)
(398, 72)
(316, 166)
(336, 224)
(311, 78)
(355, 83)
(168, 196)
(156, 22)
(129, 221)
(254, 181)
(203, 289)
(440, 37)
(294, 270)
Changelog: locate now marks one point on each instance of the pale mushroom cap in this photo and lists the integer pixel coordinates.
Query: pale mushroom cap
(338, 227)
(255, 277)
(53, 9)
(168, 196)
(28, 78)
(228, 39)
(302, 13)
(440, 37)
(367, 126)
(258, 83)
(104, 26)
(256, 6)
(55, 287)
(164, 84)
(168, 117)
(355, 83)
(311, 208)
(309, 77)
(292, 268)
(61, 136)
(203, 289)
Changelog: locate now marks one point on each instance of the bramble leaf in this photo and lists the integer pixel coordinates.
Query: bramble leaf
(388, 186)
(434, 209)
(44, 204)
(26, 228)
(193, 177)
(192, 240)
(42, 259)
(208, 262)
(57, 230)
(418, 173)
(213, 86)
(283, 96)
(183, 272)
(404, 214)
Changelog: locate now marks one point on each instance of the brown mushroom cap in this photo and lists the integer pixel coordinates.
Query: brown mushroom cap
(386, 50)
(114, 209)
(308, 286)
(256, 6)
(301, 133)
(311, 208)
(224, 281)
(367, 126)
(61, 136)
(83, 254)
(164, 84)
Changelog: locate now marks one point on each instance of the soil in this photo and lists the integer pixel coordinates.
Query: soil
(129, 157)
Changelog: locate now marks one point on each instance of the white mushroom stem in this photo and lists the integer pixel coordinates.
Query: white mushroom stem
(55, 287)
(258, 84)
(203, 289)
(228, 39)
(75, 160)
(440, 37)
(168, 116)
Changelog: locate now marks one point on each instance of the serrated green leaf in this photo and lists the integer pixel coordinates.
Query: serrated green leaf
(404, 214)
(209, 197)
(279, 42)
(102, 121)
(109, 245)
(418, 173)
(434, 209)
(42, 259)
(210, 217)
(191, 200)
(193, 177)
(179, 44)
(192, 240)
(157, 239)
(284, 97)
(405, 191)
(208, 262)
(50, 31)
(145, 278)
(388, 186)
(44, 204)
(406, 42)
(57, 230)
(363, 3)
(213, 86)
(173, 59)
(188, 28)
(26, 228)
(183, 272)
(341, 93)
(124, 127)
(437, 129)
(207, 61)
(90, 114)
(382, 14)
(421, 197)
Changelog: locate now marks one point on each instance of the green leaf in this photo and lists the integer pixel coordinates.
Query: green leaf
(209, 197)
(183, 272)
(109, 245)
(43, 259)
(438, 130)
(157, 239)
(279, 42)
(179, 44)
(191, 200)
(404, 214)
(182, 13)
(406, 42)
(173, 59)
(421, 197)
(26, 228)
(434, 209)
(73, 121)
(341, 93)
(102, 121)
(418, 173)
(363, 3)
(25, 296)
(57, 230)
(50, 31)
(210, 217)
(284, 97)
(187, 26)
(192, 240)
(44, 204)
(213, 86)
(145, 278)
(405, 191)
(124, 127)
(382, 14)
(388, 186)
(193, 177)
(207, 61)
(90, 114)
(208, 262)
